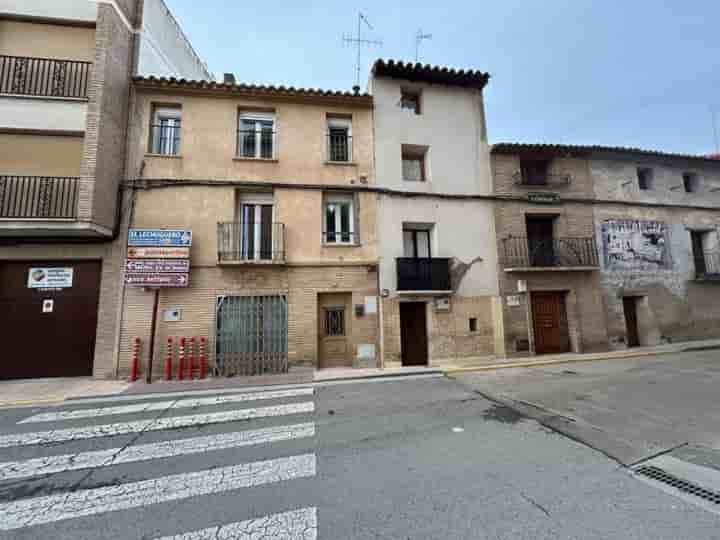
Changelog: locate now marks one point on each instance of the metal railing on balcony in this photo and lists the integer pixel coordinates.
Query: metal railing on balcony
(422, 274)
(526, 179)
(38, 197)
(44, 77)
(259, 243)
(339, 147)
(256, 144)
(707, 265)
(340, 238)
(521, 252)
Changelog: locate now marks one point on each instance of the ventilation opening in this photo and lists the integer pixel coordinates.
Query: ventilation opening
(660, 475)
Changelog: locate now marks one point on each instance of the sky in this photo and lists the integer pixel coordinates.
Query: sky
(640, 73)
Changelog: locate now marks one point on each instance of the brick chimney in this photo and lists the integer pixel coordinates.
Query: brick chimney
(229, 78)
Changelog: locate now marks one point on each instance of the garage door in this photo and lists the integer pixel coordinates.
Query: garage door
(48, 317)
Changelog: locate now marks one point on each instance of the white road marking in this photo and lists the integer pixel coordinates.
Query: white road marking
(144, 452)
(294, 525)
(88, 502)
(108, 430)
(162, 405)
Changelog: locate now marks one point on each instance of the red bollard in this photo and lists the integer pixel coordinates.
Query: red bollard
(181, 359)
(202, 357)
(135, 366)
(168, 360)
(191, 359)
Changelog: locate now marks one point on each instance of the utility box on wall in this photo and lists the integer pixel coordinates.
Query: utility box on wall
(442, 304)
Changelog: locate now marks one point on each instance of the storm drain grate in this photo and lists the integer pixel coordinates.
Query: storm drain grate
(660, 475)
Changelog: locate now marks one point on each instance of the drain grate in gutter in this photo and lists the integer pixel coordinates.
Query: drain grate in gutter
(660, 475)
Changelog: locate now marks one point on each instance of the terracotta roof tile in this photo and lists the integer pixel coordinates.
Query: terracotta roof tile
(514, 148)
(432, 74)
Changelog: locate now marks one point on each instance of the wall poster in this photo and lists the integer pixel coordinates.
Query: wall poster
(634, 244)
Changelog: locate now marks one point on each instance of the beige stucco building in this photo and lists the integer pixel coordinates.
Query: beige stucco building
(276, 186)
(65, 71)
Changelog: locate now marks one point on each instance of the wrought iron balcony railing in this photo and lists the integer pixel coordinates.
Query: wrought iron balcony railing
(422, 274)
(259, 243)
(707, 265)
(44, 77)
(525, 179)
(521, 252)
(339, 147)
(38, 197)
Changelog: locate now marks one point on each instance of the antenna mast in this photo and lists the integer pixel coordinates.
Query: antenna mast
(713, 117)
(418, 39)
(359, 41)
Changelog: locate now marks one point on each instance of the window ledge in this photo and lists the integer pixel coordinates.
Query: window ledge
(342, 163)
(261, 160)
(340, 245)
(167, 156)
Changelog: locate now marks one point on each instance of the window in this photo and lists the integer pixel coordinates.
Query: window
(473, 324)
(255, 217)
(534, 171)
(335, 321)
(416, 241)
(339, 136)
(165, 131)
(645, 178)
(691, 183)
(705, 253)
(410, 100)
(413, 163)
(256, 135)
(339, 220)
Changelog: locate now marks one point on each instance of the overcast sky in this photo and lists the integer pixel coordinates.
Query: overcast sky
(613, 72)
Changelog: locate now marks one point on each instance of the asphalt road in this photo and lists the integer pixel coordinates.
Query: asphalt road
(414, 459)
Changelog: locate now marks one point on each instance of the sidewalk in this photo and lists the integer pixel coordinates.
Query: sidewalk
(546, 360)
(19, 393)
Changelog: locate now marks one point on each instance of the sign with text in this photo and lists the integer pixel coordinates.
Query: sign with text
(157, 266)
(156, 280)
(544, 198)
(50, 278)
(160, 237)
(158, 253)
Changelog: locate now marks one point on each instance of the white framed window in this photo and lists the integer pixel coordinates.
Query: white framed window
(414, 163)
(255, 219)
(339, 139)
(256, 135)
(165, 131)
(339, 219)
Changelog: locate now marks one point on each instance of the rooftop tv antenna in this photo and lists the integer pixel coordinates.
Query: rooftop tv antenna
(418, 39)
(359, 41)
(713, 117)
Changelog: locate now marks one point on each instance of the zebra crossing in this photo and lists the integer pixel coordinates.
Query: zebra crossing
(242, 441)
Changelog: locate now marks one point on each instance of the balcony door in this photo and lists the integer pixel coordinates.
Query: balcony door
(416, 243)
(256, 228)
(541, 248)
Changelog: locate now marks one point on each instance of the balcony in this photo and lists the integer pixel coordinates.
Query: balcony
(423, 275)
(521, 254)
(707, 266)
(530, 180)
(44, 77)
(253, 243)
(38, 197)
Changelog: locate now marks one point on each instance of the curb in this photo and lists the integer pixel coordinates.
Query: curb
(537, 363)
(399, 375)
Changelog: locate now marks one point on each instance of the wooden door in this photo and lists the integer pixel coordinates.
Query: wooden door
(413, 334)
(550, 323)
(334, 329)
(48, 332)
(631, 323)
(540, 240)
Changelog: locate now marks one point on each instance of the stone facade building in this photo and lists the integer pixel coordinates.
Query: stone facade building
(606, 247)
(438, 258)
(276, 186)
(65, 71)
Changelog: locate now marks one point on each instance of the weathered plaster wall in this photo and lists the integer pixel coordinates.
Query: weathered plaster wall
(673, 305)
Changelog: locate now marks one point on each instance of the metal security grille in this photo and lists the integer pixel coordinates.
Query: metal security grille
(252, 335)
(659, 475)
(335, 321)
